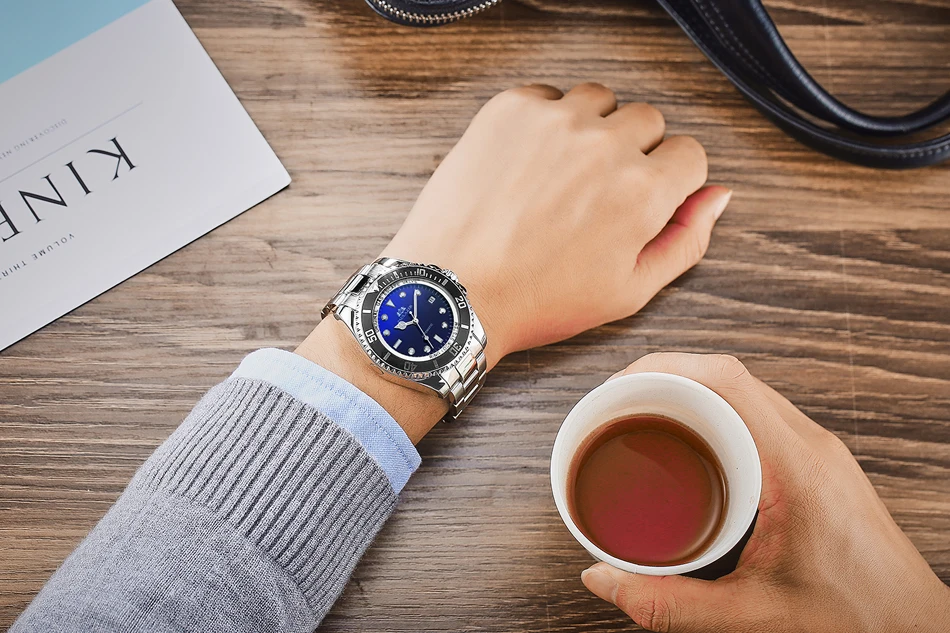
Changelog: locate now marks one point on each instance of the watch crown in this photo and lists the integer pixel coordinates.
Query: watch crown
(448, 273)
(455, 278)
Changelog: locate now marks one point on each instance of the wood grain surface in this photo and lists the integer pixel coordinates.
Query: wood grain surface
(831, 282)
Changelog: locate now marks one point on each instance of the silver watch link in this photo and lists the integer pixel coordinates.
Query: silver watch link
(414, 321)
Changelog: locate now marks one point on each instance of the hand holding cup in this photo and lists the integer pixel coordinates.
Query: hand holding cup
(825, 554)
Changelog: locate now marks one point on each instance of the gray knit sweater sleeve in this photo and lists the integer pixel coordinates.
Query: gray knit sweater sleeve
(251, 517)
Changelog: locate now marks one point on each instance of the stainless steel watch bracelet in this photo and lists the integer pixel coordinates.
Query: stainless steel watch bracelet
(348, 295)
(471, 370)
(458, 382)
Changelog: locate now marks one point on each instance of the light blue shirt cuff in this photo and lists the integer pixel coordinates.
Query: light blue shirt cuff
(340, 401)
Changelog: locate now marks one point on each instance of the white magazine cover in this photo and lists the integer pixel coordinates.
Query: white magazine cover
(120, 142)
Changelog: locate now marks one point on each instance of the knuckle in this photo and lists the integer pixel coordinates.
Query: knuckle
(511, 97)
(654, 182)
(653, 611)
(640, 179)
(592, 86)
(729, 368)
(537, 88)
(514, 98)
(694, 149)
(656, 360)
(648, 114)
(567, 119)
(836, 446)
(691, 144)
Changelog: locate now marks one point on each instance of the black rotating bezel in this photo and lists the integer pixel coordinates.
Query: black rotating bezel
(369, 336)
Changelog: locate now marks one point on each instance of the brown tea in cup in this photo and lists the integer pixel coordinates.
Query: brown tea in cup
(647, 490)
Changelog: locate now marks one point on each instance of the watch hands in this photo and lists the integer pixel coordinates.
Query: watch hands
(415, 321)
(424, 335)
(402, 325)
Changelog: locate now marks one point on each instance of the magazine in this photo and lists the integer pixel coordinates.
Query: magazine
(120, 142)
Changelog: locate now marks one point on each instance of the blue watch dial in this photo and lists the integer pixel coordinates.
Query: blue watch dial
(415, 320)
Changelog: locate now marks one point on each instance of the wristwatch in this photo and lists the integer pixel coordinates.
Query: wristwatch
(414, 321)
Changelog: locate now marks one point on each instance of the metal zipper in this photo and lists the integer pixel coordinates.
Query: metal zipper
(430, 19)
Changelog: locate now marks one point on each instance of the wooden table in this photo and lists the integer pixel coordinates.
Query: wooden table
(831, 282)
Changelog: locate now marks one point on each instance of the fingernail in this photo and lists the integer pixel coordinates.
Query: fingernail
(600, 584)
(723, 203)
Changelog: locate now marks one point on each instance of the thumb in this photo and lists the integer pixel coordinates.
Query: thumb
(684, 239)
(665, 604)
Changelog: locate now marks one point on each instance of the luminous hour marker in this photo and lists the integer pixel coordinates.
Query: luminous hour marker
(385, 332)
(444, 325)
(384, 317)
(432, 300)
(396, 344)
(426, 349)
(441, 310)
(391, 304)
(418, 292)
(411, 350)
(402, 294)
(438, 338)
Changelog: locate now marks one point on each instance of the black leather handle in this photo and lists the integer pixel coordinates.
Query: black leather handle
(739, 37)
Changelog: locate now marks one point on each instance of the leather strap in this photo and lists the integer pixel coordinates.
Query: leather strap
(739, 37)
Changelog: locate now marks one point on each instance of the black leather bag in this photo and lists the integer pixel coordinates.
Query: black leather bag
(739, 37)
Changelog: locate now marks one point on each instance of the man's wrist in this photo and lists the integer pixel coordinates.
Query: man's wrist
(494, 347)
(332, 346)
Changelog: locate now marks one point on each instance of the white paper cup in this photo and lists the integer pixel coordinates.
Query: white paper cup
(691, 404)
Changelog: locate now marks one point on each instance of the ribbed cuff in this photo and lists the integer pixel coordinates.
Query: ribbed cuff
(293, 482)
(343, 403)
